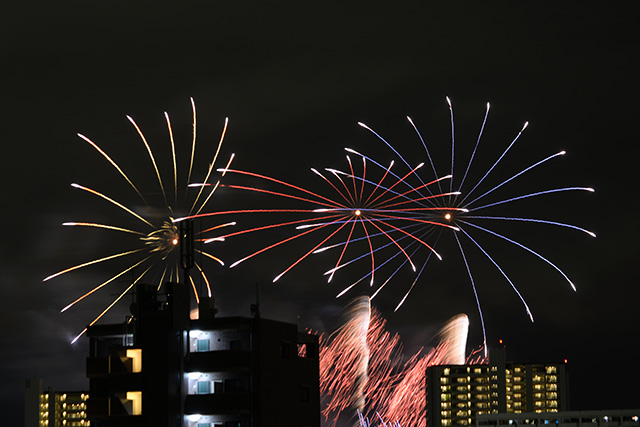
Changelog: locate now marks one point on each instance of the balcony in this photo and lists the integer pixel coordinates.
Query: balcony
(218, 404)
(219, 361)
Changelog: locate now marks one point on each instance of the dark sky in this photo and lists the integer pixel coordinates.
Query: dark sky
(295, 79)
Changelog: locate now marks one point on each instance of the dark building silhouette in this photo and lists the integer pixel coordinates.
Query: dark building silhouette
(161, 368)
(457, 394)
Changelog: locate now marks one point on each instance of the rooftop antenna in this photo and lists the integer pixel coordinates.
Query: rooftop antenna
(186, 247)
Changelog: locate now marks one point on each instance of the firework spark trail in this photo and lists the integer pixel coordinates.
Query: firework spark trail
(394, 390)
(364, 422)
(373, 209)
(157, 243)
(468, 203)
(346, 357)
(406, 405)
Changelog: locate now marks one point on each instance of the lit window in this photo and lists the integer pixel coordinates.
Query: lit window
(204, 387)
(203, 345)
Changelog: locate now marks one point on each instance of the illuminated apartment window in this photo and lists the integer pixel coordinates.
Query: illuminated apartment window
(204, 387)
(445, 405)
(477, 371)
(537, 378)
(552, 387)
(552, 378)
(446, 371)
(444, 380)
(203, 345)
(446, 423)
(445, 396)
(550, 369)
(135, 354)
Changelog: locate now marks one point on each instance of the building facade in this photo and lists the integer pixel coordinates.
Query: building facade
(162, 368)
(457, 394)
(51, 408)
(600, 418)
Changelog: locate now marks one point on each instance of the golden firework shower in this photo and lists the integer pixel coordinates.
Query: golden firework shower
(159, 237)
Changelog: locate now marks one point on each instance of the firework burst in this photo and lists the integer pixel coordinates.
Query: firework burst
(159, 246)
(468, 203)
(358, 211)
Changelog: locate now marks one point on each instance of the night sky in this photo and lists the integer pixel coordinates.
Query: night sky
(294, 80)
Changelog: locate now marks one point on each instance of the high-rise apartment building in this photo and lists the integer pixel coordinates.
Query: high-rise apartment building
(456, 394)
(162, 368)
(52, 408)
